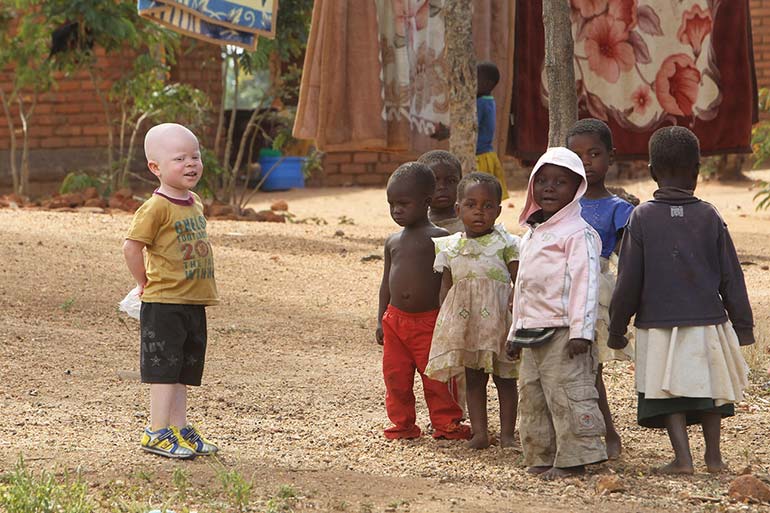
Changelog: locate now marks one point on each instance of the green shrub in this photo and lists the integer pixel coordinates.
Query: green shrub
(76, 181)
(763, 196)
(237, 488)
(212, 174)
(760, 144)
(23, 492)
(313, 163)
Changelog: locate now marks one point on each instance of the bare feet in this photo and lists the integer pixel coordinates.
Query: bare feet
(478, 441)
(560, 473)
(675, 468)
(507, 440)
(614, 446)
(715, 465)
(539, 469)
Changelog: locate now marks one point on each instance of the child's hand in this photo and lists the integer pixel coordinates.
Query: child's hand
(617, 342)
(378, 335)
(513, 352)
(577, 346)
(441, 133)
(141, 288)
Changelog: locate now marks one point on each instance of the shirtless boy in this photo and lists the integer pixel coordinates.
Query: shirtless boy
(409, 305)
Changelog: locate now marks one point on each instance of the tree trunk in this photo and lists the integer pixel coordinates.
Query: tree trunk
(6, 102)
(231, 174)
(559, 71)
(222, 105)
(242, 146)
(123, 178)
(461, 62)
(110, 129)
(123, 124)
(25, 118)
(276, 78)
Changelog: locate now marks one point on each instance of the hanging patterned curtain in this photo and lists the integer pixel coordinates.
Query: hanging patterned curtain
(232, 22)
(640, 65)
(375, 74)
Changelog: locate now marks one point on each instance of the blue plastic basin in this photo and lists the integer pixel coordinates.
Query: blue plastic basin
(286, 175)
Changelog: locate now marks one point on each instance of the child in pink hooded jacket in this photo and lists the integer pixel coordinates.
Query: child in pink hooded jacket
(554, 315)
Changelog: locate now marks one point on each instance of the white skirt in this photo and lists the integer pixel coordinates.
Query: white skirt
(606, 287)
(691, 361)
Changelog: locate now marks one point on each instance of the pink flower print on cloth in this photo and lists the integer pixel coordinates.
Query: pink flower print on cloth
(641, 98)
(607, 47)
(646, 63)
(696, 25)
(589, 8)
(677, 84)
(414, 69)
(411, 15)
(625, 11)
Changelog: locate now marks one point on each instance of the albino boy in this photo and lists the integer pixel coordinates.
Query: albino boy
(176, 282)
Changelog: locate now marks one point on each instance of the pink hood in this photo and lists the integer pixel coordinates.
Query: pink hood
(557, 284)
(564, 158)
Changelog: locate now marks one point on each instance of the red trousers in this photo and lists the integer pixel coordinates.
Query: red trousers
(407, 338)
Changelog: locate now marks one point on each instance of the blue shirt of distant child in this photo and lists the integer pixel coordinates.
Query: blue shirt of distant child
(485, 110)
(607, 216)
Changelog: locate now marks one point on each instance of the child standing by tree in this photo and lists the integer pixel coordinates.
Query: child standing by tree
(591, 139)
(487, 160)
(472, 326)
(176, 284)
(554, 321)
(680, 275)
(409, 301)
(448, 172)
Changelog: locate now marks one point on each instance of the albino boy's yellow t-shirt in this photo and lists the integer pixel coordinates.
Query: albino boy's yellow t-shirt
(179, 261)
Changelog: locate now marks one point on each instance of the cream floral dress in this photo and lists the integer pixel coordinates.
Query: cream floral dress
(473, 323)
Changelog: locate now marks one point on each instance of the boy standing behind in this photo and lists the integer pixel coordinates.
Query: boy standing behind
(409, 305)
(448, 172)
(608, 214)
(176, 285)
(487, 160)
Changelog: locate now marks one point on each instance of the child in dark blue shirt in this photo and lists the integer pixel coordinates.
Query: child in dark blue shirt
(591, 139)
(487, 160)
(680, 275)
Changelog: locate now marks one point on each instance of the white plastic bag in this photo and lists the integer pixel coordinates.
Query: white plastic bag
(132, 303)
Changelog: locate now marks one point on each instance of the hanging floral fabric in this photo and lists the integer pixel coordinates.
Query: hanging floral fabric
(640, 65)
(375, 74)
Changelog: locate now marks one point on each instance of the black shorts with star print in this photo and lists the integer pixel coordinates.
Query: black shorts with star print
(173, 343)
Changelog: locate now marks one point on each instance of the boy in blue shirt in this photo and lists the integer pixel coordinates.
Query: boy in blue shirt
(591, 139)
(487, 160)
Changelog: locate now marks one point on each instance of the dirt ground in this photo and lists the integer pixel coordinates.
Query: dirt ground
(293, 390)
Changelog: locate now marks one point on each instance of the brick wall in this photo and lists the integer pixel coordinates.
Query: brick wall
(200, 65)
(69, 116)
(360, 168)
(68, 130)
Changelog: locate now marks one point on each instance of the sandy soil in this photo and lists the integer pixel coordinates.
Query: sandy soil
(293, 389)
